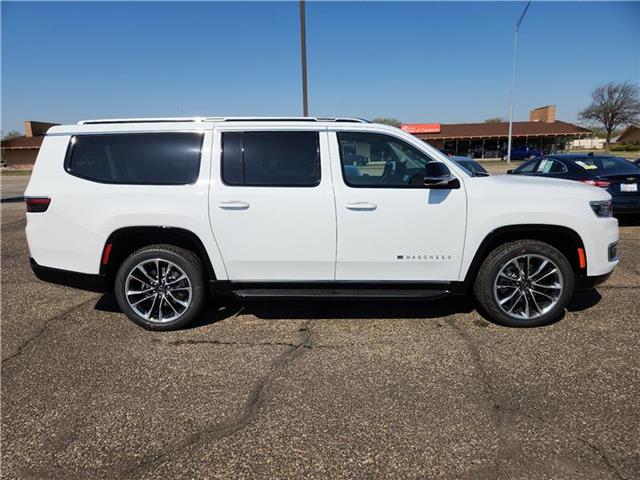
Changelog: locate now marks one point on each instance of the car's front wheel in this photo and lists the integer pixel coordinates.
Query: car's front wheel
(525, 283)
(161, 287)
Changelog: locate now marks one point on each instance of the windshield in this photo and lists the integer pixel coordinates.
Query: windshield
(607, 166)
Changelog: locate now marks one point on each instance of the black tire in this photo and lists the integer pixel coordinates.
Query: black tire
(185, 260)
(499, 258)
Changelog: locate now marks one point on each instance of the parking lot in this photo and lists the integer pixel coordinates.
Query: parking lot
(357, 389)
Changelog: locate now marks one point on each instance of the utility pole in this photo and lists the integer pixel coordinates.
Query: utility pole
(513, 79)
(303, 53)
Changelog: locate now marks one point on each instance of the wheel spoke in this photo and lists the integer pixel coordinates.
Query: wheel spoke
(553, 299)
(148, 314)
(168, 301)
(505, 300)
(182, 277)
(144, 272)
(515, 303)
(138, 292)
(551, 287)
(544, 263)
(503, 275)
(142, 300)
(535, 303)
(184, 304)
(177, 289)
(554, 270)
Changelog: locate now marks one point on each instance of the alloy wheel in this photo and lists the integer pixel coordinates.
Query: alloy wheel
(158, 290)
(528, 286)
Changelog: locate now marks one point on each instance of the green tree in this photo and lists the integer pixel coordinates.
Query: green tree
(11, 134)
(613, 105)
(394, 122)
(495, 120)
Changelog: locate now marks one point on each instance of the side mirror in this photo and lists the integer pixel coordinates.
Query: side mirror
(510, 171)
(437, 175)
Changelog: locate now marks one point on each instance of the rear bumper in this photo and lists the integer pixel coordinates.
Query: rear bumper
(82, 281)
(626, 204)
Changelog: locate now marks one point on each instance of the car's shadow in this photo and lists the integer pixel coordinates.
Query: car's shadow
(308, 309)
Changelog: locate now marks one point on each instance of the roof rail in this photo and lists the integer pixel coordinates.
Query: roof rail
(141, 120)
(220, 119)
(285, 119)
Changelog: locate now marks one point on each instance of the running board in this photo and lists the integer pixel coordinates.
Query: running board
(339, 293)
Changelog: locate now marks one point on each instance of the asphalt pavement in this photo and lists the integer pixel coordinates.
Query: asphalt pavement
(391, 389)
(12, 187)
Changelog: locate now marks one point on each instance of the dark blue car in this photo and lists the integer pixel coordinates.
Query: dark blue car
(620, 177)
(523, 153)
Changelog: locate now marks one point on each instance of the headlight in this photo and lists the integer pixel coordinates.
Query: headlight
(602, 208)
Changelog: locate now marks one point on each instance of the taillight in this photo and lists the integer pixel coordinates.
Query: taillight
(37, 204)
(597, 183)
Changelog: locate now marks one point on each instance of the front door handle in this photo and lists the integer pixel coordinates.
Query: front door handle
(361, 206)
(233, 205)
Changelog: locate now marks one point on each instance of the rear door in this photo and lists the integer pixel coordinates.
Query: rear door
(271, 203)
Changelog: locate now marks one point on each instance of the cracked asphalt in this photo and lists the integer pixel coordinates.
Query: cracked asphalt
(335, 390)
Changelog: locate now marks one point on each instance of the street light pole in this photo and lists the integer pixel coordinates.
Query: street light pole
(513, 79)
(303, 53)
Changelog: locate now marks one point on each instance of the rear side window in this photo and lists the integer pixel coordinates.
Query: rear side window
(271, 159)
(136, 158)
(608, 166)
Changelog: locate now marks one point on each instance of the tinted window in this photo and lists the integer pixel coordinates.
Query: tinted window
(527, 167)
(550, 166)
(269, 159)
(376, 160)
(607, 166)
(136, 158)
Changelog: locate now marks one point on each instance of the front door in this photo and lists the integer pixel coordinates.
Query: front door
(272, 206)
(390, 226)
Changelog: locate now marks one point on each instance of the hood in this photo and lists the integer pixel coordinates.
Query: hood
(547, 188)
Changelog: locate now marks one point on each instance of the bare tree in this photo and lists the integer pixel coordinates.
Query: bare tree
(613, 105)
(394, 122)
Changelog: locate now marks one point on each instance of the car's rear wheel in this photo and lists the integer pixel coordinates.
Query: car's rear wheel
(525, 283)
(161, 287)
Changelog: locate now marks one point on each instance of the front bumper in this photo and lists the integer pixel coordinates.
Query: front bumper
(82, 281)
(588, 283)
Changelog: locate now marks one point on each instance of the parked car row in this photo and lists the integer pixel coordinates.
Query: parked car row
(619, 177)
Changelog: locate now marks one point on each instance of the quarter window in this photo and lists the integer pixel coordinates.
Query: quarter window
(377, 160)
(271, 159)
(136, 158)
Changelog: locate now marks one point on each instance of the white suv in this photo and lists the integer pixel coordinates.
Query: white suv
(167, 212)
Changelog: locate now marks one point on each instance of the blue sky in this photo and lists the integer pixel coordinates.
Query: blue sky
(420, 61)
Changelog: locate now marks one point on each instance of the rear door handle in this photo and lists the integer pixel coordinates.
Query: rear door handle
(233, 205)
(361, 206)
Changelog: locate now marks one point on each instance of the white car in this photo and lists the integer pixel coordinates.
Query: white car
(168, 212)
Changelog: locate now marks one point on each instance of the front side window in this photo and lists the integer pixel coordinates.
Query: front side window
(271, 159)
(528, 167)
(377, 160)
(136, 158)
